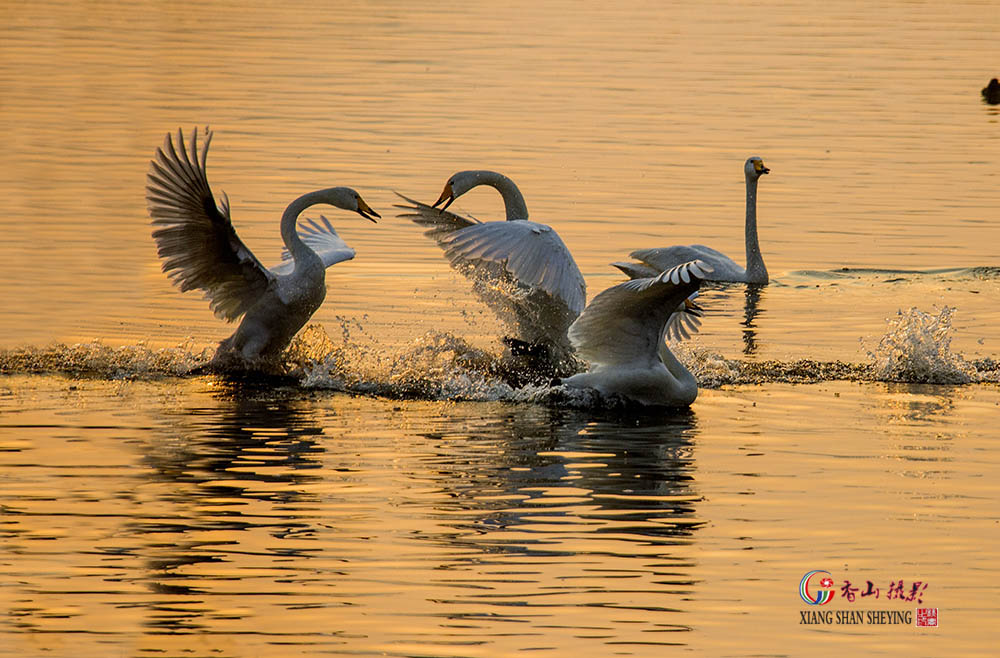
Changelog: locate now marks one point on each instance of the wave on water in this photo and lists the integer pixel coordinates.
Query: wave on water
(915, 348)
(894, 275)
(95, 359)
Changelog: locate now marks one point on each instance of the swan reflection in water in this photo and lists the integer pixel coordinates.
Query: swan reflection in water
(564, 516)
(752, 296)
(287, 501)
(224, 470)
(504, 471)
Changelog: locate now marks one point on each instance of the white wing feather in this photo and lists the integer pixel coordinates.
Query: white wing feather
(658, 259)
(533, 254)
(321, 238)
(625, 323)
(685, 320)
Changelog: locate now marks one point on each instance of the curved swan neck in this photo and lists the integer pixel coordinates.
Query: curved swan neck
(756, 271)
(513, 200)
(289, 234)
(686, 385)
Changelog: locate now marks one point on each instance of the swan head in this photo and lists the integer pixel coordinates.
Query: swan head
(460, 183)
(347, 199)
(754, 168)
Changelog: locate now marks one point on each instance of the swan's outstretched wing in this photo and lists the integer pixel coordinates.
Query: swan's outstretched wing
(637, 270)
(438, 222)
(663, 258)
(686, 320)
(723, 267)
(625, 323)
(321, 238)
(533, 254)
(194, 236)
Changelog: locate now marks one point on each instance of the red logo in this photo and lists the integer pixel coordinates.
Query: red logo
(927, 617)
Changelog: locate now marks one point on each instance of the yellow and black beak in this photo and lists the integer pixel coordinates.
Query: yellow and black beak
(761, 169)
(446, 194)
(366, 211)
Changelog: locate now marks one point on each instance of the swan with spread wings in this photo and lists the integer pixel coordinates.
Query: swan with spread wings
(521, 269)
(621, 333)
(200, 249)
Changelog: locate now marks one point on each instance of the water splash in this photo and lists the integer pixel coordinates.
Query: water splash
(917, 348)
(437, 366)
(709, 368)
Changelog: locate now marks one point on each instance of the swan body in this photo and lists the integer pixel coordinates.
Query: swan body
(723, 267)
(200, 249)
(622, 332)
(521, 269)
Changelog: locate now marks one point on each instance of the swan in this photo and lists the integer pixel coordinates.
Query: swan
(521, 269)
(653, 261)
(200, 249)
(621, 333)
(991, 92)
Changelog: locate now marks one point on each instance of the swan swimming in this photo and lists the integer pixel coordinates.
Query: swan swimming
(622, 331)
(200, 249)
(521, 269)
(653, 261)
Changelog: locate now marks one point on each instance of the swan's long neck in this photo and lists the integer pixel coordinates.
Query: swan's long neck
(756, 271)
(300, 250)
(513, 201)
(686, 386)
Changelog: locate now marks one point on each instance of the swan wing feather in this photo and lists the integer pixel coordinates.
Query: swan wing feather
(636, 270)
(625, 323)
(533, 254)
(321, 237)
(663, 258)
(195, 236)
(685, 320)
(438, 222)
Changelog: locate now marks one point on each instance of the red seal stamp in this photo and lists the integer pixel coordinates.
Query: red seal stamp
(927, 617)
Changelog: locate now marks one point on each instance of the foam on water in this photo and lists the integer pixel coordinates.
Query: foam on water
(915, 348)
(95, 359)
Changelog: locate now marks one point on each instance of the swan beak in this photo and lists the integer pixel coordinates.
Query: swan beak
(759, 167)
(366, 211)
(446, 193)
(692, 308)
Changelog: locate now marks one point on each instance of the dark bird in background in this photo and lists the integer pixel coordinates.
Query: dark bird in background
(991, 92)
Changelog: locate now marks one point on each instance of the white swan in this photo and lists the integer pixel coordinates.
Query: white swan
(520, 269)
(621, 333)
(653, 261)
(200, 249)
